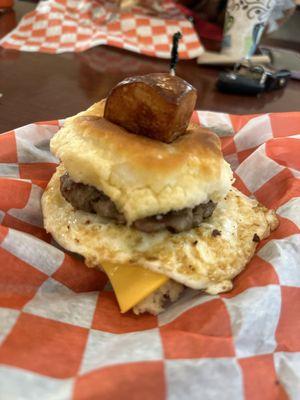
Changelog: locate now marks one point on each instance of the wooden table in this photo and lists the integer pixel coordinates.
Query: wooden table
(39, 87)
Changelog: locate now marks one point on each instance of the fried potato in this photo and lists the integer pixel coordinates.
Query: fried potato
(156, 105)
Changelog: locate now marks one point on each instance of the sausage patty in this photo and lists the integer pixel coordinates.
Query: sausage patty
(88, 198)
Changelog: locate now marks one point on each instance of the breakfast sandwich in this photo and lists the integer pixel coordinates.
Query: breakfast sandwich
(145, 195)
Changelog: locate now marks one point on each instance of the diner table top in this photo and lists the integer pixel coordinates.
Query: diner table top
(42, 87)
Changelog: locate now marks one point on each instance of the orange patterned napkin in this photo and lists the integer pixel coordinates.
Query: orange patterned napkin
(61, 333)
(58, 26)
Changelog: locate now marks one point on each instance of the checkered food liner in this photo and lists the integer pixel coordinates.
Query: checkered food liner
(61, 333)
(58, 26)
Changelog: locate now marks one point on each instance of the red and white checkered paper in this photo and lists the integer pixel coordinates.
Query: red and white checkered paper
(61, 333)
(58, 26)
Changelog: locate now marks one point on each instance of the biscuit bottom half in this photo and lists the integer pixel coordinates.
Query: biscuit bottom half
(206, 258)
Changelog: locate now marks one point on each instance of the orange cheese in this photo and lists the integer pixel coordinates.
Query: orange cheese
(132, 283)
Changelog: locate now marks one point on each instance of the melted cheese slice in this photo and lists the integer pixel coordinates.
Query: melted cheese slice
(132, 283)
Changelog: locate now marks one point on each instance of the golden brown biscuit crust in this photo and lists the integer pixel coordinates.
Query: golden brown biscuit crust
(142, 176)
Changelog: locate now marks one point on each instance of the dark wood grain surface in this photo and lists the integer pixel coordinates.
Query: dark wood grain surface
(37, 87)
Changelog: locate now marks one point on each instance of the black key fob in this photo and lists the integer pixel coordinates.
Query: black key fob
(230, 82)
(247, 78)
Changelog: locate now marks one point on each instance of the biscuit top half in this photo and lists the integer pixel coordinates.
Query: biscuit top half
(142, 176)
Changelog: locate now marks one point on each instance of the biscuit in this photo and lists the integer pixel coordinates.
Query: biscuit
(142, 176)
(156, 302)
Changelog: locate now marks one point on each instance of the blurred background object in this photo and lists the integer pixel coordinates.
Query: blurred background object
(281, 12)
(235, 27)
(6, 5)
(58, 26)
(282, 58)
(244, 24)
(252, 79)
(8, 21)
(39, 86)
